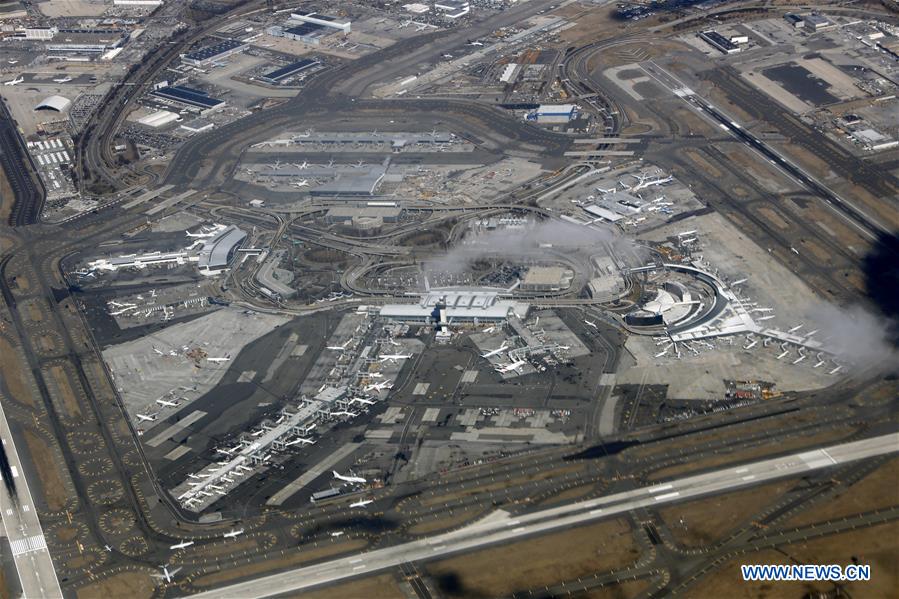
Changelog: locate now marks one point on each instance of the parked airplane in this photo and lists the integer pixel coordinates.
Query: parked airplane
(511, 366)
(592, 324)
(752, 344)
(167, 575)
(233, 533)
(348, 479)
(338, 533)
(168, 404)
(303, 166)
(493, 352)
(393, 357)
(379, 386)
(836, 370)
(782, 354)
(346, 413)
(301, 183)
(15, 81)
(182, 545)
(339, 347)
(471, 43)
(147, 417)
(65, 79)
(363, 401)
(362, 503)
(301, 440)
(225, 359)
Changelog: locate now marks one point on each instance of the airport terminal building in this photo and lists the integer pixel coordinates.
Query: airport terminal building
(456, 305)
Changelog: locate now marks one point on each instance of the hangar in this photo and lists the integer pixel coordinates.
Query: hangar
(55, 103)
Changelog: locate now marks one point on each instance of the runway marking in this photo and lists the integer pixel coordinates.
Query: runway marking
(594, 512)
(667, 496)
(660, 488)
(362, 567)
(749, 477)
(356, 561)
(741, 470)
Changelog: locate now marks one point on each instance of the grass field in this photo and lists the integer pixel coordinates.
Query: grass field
(537, 562)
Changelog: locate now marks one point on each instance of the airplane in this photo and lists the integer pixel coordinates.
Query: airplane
(799, 359)
(739, 282)
(592, 324)
(379, 386)
(107, 548)
(362, 401)
(167, 404)
(303, 166)
(65, 79)
(338, 533)
(346, 413)
(511, 366)
(233, 533)
(794, 250)
(493, 352)
(475, 43)
(765, 318)
(489, 330)
(362, 503)
(225, 359)
(15, 81)
(301, 183)
(182, 545)
(374, 375)
(339, 347)
(836, 370)
(662, 353)
(13, 61)
(349, 479)
(301, 440)
(392, 342)
(752, 344)
(393, 357)
(782, 354)
(796, 328)
(812, 333)
(158, 352)
(818, 363)
(147, 417)
(167, 575)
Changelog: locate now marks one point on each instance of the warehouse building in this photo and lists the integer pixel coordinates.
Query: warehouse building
(546, 278)
(213, 53)
(452, 9)
(187, 96)
(323, 20)
(719, 42)
(279, 75)
(160, 118)
(553, 113)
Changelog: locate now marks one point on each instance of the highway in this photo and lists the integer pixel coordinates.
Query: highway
(37, 576)
(500, 526)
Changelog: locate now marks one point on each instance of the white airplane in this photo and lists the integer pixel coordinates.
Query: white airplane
(346, 413)
(765, 318)
(167, 575)
(366, 402)
(301, 440)
(796, 328)
(393, 357)
(662, 353)
(362, 503)
(752, 344)
(379, 386)
(167, 404)
(592, 324)
(147, 417)
(818, 364)
(836, 370)
(65, 79)
(511, 366)
(301, 183)
(794, 250)
(782, 354)
(216, 360)
(13, 61)
(182, 545)
(799, 359)
(158, 352)
(339, 347)
(339, 533)
(233, 533)
(373, 375)
(470, 43)
(489, 330)
(303, 166)
(349, 479)
(15, 81)
(493, 352)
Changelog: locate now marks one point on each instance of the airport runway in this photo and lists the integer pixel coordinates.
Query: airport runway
(34, 566)
(501, 526)
(29, 195)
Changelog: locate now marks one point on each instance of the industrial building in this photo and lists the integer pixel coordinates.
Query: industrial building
(452, 9)
(456, 305)
(197, 125)
(160, 118)
(553, 113)
(191, 98)
(323, 20)
(54, 103)
(279, 75)
(546, 278)
(719, 42)
(213, 53)
(814, 23)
